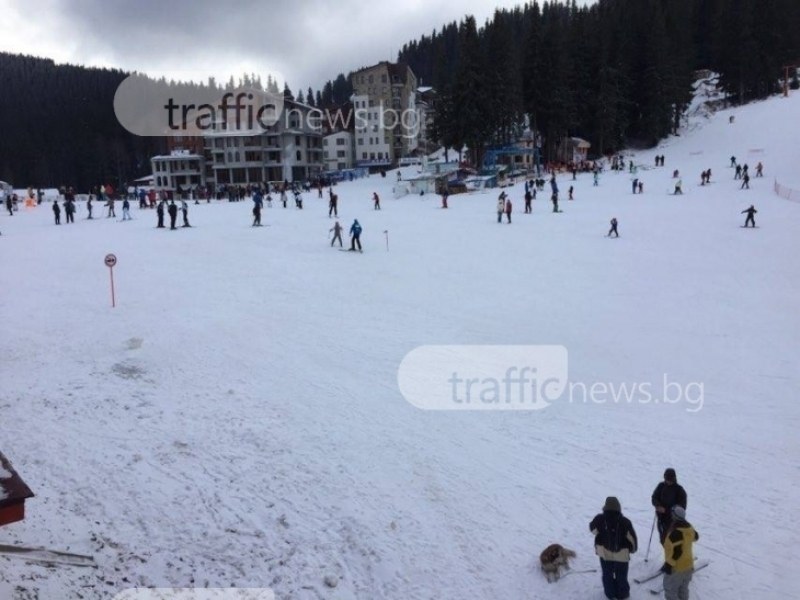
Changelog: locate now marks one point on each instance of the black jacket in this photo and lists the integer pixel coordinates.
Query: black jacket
(614, 536)
(668, 496)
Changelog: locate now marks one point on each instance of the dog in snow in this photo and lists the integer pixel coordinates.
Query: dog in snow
(552, 559)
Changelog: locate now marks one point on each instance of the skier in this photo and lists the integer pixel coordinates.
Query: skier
(110, 205)
(666, 495)
(745, 182)
(185, 213)
(528, 199)
(571, 189)
(759, 169)
(57, 212)
(613, 228)
(126, 210)
(160, 214)
(337, 233)
(376, 201)
(501, 206)
(750, 219)
(678, 188)
(733, 161)
(508, 210)
(332, 205)
(172, 209)
(355, 236)
(678, 560)
(257, 204)
(738, 174)
(614, 542)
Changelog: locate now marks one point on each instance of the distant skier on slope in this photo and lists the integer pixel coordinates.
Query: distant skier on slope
(337, 233)
(355, 236)
(508, 210)
(376, 201)
(613, 228)
(678, 188)
(751, 219)
(501, 206)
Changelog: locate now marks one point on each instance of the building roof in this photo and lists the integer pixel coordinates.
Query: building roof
(12, 488)
(399, 70)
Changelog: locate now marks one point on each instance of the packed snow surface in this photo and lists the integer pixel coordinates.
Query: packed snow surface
(236, 420)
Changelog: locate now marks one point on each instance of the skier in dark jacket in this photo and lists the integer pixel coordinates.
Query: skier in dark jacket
(333, 204)
(614, 542)
(751, 219)
(172, 209)
(613, 228)
(666, 495)
(355, 236)
(745, 182)
(57, 212)
(528, 199)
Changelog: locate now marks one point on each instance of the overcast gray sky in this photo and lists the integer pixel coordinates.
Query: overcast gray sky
(305, 41)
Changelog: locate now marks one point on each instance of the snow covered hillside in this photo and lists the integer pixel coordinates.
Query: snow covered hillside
(236, 419)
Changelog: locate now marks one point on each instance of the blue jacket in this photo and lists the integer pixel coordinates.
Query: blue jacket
(355, 229)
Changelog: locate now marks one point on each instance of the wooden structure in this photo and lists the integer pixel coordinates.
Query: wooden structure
(13, 493)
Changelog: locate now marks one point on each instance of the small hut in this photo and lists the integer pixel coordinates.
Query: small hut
(13, 493)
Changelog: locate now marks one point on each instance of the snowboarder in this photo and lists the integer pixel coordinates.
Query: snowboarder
(172, 209)
(528, 199)
(745, 182)
(355, 236)
(666, 495)
(501, 206)
(185, 213)
(160, 214)
(337, 233)
(678, 188)
(508, 210)
(57, 212)
(376, 201)
(614, 542)
(750, 219)
(678, 559)
(126, 210)
(613, 228)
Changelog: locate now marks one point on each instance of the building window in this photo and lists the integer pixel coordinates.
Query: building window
(364, 155)
(340, 141)
(297, 140)
(299, 155)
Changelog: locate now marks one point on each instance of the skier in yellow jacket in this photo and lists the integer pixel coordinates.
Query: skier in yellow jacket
(678, 558)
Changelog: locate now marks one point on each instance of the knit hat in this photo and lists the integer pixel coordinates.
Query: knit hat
(612, 504)
(669, 475)
(679, 513)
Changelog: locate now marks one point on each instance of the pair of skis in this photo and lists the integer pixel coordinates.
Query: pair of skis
(656, 591)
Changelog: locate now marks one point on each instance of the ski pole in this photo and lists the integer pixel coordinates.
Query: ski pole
(650, 541)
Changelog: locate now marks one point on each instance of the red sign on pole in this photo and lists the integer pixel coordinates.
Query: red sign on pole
(111, 260)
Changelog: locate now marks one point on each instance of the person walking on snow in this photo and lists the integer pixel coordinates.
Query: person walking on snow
(501, 206)
(678, 188)
(173, 214)
(635, 185)
(508, 210)
(738, 174)
(57, 212)
(376, 201)
(257, 204)
(759, 169)
(355, 236)
(745, 182)
(751, 219)
(160, 215)
(528, 199)
(333, 205)
(614, 542)
(337, 233)
(613, 228)
(571, 190)
(185, 213)
(667, 495)
(678, 556)
(126, 210)
(89, 206)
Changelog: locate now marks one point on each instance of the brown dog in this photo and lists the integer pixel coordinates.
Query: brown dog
(552, 559)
